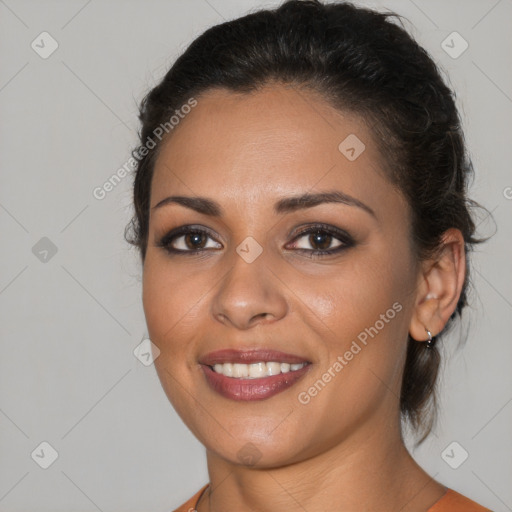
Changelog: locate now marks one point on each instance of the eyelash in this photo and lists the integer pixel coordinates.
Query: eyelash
(346, 240)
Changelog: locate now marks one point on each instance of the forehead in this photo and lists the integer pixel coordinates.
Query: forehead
(273, 142)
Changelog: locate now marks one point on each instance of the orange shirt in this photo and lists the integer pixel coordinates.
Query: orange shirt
(452, 501)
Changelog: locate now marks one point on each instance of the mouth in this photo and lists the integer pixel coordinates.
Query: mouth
(252, 375)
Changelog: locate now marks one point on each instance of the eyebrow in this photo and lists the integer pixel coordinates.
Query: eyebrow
(210, 207)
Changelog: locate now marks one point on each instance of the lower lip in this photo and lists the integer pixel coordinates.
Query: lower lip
(252, 389)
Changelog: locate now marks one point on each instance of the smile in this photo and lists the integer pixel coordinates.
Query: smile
(253, 374)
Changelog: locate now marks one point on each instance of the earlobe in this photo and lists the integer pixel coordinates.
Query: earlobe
(439, 287)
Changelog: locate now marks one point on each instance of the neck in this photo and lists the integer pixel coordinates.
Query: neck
(371, 470)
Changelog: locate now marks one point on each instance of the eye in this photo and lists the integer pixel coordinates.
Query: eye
(315, 240)
(188, 239)
(322, 239)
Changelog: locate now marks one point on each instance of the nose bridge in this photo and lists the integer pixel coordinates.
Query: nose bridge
(249, 291)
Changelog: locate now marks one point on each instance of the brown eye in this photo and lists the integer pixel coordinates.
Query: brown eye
(322, 240)
(318, 240)
(188, 240)
(195, 240)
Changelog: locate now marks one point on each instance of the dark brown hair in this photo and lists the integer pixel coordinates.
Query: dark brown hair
(360, 61)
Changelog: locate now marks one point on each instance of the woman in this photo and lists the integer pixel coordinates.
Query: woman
(302, 219)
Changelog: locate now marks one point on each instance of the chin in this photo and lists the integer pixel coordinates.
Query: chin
(257, 455)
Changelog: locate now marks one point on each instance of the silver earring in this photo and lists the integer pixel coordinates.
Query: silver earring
(431, 340)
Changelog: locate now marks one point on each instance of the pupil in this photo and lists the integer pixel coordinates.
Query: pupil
(321, 239)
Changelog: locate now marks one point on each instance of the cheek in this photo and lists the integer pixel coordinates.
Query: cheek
(171, 301)
(353, 297)
(360, 313)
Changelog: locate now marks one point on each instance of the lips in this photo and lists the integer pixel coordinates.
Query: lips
(249, 389)
(252, 389)
(249, 356)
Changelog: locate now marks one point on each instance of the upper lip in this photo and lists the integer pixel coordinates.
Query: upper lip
(230, 355)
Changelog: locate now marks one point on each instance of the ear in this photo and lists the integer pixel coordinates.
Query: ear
(439, 287)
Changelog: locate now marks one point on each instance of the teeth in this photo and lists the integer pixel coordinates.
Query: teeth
(255, 370)
(240, 370)
(273, 368)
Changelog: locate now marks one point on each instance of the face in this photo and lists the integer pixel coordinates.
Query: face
(328, 281)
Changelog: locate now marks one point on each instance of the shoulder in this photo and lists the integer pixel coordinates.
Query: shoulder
(452, 501)
(190, 505)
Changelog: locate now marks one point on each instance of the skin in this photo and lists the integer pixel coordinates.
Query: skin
(342, 451)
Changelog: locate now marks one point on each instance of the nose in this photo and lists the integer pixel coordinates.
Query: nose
(249, 294)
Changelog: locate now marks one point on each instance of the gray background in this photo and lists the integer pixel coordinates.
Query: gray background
(70, 323)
